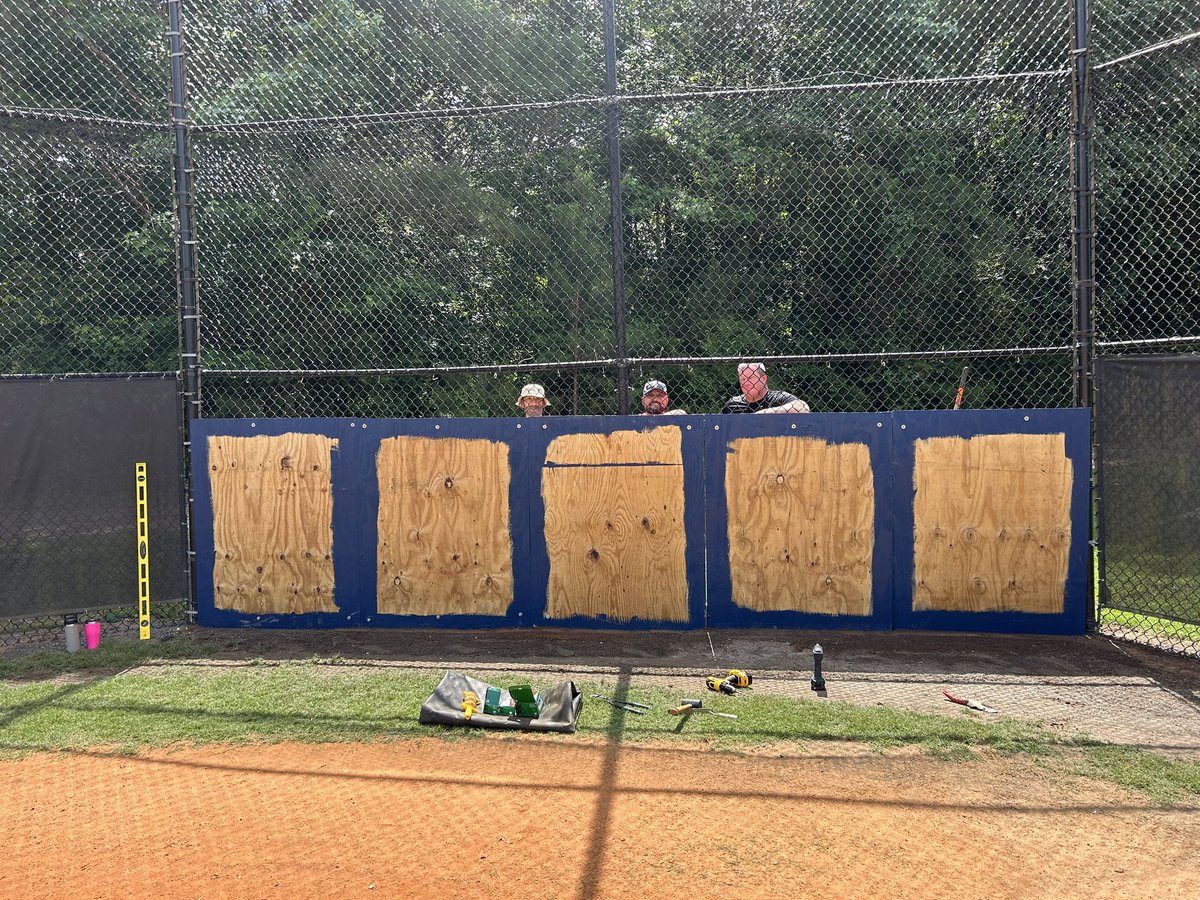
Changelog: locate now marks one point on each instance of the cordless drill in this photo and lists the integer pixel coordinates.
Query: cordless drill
(730, 683)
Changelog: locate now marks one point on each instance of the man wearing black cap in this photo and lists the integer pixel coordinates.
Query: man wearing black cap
(655, 401)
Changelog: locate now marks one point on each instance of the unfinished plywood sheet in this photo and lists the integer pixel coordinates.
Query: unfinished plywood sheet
(801, 525)
(445, 546)
(272, 502)
(614, 526)
(991, 523)
(655, 446)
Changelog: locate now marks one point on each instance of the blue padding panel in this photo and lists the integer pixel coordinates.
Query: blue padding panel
(505, 431)
(348, 590)
(909, 427)
(540, 432)
(843, 428)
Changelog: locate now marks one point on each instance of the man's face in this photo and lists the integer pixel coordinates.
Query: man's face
(533, 406)
(655, 402)
(754, 384)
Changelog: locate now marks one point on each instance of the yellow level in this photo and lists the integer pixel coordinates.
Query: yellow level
(143, 555)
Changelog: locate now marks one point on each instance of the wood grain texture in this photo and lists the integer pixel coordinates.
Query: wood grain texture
(445, 546)
(650, 446)
(991, 523)
(801, 525)
(614, 526)
(272, 501)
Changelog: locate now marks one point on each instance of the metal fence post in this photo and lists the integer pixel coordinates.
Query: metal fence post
(614, 194)
(189, 316)
(189, 311)
(1083, 250)
(1083, 213)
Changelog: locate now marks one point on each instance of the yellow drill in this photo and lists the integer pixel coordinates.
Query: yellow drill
(730, 683)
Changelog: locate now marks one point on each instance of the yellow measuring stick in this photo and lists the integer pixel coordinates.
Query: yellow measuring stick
(143, 555)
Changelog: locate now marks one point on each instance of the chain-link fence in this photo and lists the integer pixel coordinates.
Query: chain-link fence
(69, 502)
(412, 208)
(408, 210)
(1149, 492)
(1146, 94)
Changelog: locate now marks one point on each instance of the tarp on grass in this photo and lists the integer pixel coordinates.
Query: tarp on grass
(561, 704)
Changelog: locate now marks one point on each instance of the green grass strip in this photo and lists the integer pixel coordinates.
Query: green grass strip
(314, 701)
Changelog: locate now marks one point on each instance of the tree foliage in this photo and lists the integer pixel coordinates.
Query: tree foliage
(881, 208)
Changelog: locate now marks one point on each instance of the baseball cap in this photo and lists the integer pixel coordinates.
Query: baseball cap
(653, 386)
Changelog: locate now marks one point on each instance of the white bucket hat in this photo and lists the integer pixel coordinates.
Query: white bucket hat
(533, 390)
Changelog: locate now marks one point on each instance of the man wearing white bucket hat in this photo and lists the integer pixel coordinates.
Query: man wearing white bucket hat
(533, 400)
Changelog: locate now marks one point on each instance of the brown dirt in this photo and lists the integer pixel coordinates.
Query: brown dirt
(552, 816)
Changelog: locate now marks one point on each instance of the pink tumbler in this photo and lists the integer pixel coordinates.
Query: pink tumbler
(92, 632)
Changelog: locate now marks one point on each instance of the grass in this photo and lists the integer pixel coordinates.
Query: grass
(110, 655)
(260, 701)
(1140, 622)
(1166, 781)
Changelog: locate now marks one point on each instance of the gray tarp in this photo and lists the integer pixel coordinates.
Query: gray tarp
(561, 704)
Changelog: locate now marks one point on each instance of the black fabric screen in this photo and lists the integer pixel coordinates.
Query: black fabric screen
(67, 494)
(1148, 439)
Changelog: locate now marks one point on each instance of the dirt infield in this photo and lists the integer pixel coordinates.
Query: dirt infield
(554, 816)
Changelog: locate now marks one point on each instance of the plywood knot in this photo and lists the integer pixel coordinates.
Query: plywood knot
(593, 554)
(449, 483)
(285, 463)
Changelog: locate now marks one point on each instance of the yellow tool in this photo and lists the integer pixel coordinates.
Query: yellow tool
(470, 703)
(738, 678)
(722, 686)
(143, 554)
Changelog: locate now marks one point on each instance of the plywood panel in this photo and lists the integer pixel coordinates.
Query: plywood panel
(614, 528)
(801, 525)
(272, 505)
(991, 523)
(444, 535)
(652, 446)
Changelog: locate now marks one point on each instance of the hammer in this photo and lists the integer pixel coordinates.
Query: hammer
(691, 706)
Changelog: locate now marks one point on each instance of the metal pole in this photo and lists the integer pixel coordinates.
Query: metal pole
(189, 311)
(1083, 233)
(189, 316)
(614, 197)
(1083, 250)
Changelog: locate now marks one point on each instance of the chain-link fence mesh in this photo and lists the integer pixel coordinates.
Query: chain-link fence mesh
(882, 180)
(405, 209)
(69, 512)
(1148, 198)
(87, 254)
(87, 248)
(1148, 418)
(1146, 96)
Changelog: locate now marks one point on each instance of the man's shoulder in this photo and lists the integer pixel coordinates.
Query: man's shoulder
(675, 412)
(779, 398)
(736, 404)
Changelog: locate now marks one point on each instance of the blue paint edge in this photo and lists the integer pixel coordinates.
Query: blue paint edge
(346, 589)
(1075, 425)
(540, 432)
(836, 428)
(503, 431)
